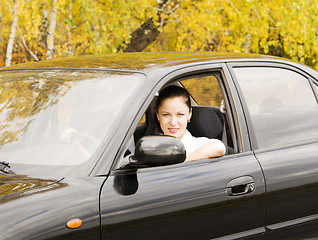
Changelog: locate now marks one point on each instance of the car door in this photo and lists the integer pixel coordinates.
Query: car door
(282, 113)
(206, 199)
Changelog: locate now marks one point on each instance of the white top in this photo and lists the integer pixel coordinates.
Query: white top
(193, 143)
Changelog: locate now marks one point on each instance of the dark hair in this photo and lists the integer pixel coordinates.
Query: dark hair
(171, 92)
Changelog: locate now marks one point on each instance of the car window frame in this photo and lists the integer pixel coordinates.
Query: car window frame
(271, 64)
(176, 75)
(314, 86)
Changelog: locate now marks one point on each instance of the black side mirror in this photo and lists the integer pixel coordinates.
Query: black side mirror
(152, 151)
(126, 183)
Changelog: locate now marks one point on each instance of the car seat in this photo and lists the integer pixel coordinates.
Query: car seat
(207, 121)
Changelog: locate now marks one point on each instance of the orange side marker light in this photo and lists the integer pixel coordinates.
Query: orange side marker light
(74, 223)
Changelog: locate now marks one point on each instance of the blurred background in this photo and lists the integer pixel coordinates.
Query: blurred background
(33, 30)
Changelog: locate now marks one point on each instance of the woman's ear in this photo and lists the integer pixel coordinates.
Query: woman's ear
(190, 114)
(157, 116)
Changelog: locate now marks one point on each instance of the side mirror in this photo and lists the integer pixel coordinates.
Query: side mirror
(152, 151)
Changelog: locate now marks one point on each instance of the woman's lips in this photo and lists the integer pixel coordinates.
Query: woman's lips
(173, 130)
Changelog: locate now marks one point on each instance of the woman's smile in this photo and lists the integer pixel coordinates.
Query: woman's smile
(173, 130)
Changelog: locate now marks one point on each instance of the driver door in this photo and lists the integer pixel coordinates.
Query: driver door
(206, 199)
(198, 200)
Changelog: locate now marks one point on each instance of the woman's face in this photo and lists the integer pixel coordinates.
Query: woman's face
(173, 116)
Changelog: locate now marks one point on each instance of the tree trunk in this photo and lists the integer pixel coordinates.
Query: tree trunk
(43, 28)
(12, 33)
(50, 38)
(142, 37)
(26, 47)
(148, 31)
(69, 32)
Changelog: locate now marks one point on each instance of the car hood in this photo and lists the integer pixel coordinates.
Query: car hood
(39, 207)
(17, 186)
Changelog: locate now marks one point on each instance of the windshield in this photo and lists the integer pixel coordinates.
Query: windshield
(57, 117)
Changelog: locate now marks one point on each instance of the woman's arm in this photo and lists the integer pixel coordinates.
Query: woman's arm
(212, 149)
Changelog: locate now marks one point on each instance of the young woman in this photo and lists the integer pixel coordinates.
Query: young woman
(173, 114)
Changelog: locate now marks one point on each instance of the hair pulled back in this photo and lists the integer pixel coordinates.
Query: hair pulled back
(171, 92)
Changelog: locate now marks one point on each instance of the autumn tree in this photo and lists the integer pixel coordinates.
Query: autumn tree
(281, 28)
(286, 28)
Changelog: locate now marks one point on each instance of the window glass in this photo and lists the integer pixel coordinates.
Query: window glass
(281, 104)
(205, 90)
(59, 117)
(142, 120)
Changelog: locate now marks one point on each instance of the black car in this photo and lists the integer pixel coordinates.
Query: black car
(80, 158)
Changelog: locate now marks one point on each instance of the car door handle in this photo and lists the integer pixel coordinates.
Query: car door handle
(240, 186)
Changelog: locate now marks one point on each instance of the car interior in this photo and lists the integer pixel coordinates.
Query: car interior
(206, 121)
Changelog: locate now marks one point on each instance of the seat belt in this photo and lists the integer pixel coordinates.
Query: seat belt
(224, 135)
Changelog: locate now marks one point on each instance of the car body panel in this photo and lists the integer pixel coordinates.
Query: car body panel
(42, 212)
(16, 186)
(291, 174)
(133, 61)
(178, 202)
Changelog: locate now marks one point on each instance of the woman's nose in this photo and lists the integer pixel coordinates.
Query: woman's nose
(173, 121)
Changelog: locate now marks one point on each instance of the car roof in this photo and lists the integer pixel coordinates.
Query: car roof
(140, 62)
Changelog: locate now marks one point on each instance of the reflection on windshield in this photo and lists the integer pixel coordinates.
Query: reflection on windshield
(58, 117)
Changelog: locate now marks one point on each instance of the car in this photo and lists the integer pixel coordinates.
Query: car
(81, 159)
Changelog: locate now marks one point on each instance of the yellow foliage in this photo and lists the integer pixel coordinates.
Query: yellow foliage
(286, 28)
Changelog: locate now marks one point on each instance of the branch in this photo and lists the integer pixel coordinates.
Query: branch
(77, 25)
(258, 16)
(239, 13)
(26, 47)
(149, 30)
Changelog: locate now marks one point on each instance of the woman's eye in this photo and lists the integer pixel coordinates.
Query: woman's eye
(180, 114)
(165, 114)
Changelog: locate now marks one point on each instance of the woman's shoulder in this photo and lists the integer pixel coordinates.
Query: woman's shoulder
(192, 143)
(188, 137)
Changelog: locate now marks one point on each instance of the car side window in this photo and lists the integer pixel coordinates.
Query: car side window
(281, 104)
(206, 97)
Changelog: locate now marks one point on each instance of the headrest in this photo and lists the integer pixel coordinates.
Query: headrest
(205, 122)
